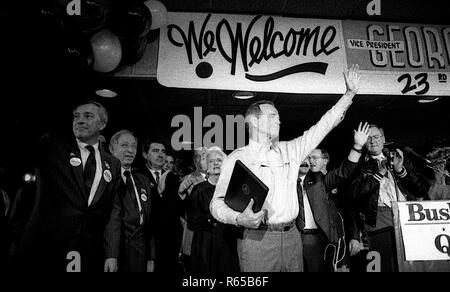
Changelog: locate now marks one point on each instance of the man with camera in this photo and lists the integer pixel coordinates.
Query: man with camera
(385, 176)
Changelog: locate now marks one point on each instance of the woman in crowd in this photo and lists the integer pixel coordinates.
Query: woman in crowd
(440, 188)
(214, 244)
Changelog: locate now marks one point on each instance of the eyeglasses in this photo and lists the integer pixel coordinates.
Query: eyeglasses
(314, 157)
(376, 137)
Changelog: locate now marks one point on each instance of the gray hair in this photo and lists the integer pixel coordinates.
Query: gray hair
(115, 138)
(102, 112)
(215, 149)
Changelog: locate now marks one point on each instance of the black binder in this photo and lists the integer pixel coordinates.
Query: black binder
(243, 186)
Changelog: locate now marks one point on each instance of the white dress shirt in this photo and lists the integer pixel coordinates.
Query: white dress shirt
(388, 191)
(277, 166)
(310, 223)
(98, 171)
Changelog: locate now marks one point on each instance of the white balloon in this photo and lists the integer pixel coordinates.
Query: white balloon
(107, 51)
(159, 13)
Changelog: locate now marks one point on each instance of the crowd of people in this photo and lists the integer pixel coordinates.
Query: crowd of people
(90, 209)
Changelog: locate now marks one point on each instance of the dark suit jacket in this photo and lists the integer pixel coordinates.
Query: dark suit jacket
(167, 210)
(61, 220)
(126, 239)
(318, 189)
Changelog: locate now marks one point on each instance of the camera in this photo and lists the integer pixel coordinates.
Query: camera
(390, 152)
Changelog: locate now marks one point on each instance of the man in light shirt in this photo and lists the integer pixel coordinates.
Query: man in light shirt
(276, 244)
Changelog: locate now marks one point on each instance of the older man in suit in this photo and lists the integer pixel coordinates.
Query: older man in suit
(130, 245)
(76, 185)
(319, 221)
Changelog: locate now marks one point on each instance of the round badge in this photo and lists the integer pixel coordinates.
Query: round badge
(107, 175)
(143, 197)
(75, 161)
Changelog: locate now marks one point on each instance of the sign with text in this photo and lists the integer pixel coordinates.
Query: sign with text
(399, 59)
(425, 228)
(254, 53)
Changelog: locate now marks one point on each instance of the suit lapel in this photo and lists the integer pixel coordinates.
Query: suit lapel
(142, 193)
(77, 169)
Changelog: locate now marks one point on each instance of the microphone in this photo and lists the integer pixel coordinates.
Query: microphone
(389, 156)
(411, 152)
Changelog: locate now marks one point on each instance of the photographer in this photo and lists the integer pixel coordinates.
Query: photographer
(385, 176)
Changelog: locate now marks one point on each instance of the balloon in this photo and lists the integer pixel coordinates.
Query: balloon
(133, 50)
(107, 51)
(159, 13)
(93, 16)
(132, 21)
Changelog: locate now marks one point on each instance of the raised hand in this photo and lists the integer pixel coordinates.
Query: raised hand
(354, 247)
(361, 135)
(352, 78)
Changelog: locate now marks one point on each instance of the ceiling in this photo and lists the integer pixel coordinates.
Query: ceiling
(39, 90)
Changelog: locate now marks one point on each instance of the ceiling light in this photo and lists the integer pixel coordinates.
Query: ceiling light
(106, 93)
(428, 99)
(244, 95)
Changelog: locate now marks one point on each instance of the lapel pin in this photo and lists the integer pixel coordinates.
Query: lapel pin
(75, 161)
(107, 175)
(144, 197)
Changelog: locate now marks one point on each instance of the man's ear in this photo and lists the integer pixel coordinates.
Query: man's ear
(252, 121)
(102, 126)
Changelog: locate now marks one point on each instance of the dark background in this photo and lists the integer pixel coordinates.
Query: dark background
(39, 89)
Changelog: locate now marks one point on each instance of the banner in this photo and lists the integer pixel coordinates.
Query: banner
(425, 228)
(252, 53)
(399, 59)
(295, 55)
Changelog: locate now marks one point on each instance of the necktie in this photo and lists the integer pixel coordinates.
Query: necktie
(130, 188)
(301, 208)
(157, 177)
(89, 168)
(128, 182)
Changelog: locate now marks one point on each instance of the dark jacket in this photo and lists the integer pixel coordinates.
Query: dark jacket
(126, 239)
(166, 215)
(365, 188)
(61, 220)
(318, 188)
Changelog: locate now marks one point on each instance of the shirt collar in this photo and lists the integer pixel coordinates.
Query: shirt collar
(122, 170)
(83, 145)
(379, 157)
(153, 171)
(262, 147)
